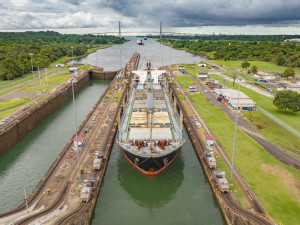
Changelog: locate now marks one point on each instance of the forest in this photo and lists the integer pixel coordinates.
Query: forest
(280, 53)
(46, 47)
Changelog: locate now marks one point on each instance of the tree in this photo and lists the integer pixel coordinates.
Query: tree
(287, 100)
(289, 72)
(254, 69)
(245, 64)
(280, 60)
(234, 76)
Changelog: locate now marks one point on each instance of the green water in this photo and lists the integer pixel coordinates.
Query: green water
(180, 195)
(25, 164)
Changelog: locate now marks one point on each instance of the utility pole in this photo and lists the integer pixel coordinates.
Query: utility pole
(72, 55)
(46, 75)
(236, 120)
(39, 75)
(74, 109)
(160, 33)
(31, 54)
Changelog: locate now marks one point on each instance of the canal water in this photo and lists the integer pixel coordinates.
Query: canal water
(25, 163)
(115, 57)
(180, 195)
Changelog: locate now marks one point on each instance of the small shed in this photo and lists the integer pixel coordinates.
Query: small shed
(209, 140)
(80, 141)
(192, 86)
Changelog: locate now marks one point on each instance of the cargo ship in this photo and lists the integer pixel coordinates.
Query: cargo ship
(150, 131)
(140, 42)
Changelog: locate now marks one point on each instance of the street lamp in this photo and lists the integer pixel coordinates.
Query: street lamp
(74, 109)
(31, 54)
(236, 120)
(72, 55)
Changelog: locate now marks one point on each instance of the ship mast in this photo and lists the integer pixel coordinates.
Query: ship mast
(150, 103)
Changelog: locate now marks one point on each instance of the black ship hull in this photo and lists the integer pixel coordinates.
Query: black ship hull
(150, 166)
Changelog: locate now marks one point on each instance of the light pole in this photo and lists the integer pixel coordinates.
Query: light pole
(184, 68)
(72, 55)
(31, 54)
(74, 109)
(236, 120)
(46, 75)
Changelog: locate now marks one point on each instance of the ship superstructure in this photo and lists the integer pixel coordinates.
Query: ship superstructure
(150, 134)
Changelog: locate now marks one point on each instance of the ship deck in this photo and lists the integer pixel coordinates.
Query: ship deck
(135, 124)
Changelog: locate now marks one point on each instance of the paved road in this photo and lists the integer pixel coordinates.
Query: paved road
(242, 124)
(249, 86)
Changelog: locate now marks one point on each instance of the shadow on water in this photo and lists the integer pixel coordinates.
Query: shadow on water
(151, 191)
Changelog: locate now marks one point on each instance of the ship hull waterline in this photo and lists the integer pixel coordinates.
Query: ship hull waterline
(149, 163)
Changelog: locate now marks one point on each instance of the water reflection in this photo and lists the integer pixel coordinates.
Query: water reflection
(151, 191)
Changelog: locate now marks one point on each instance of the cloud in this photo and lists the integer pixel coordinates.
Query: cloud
(16, 14)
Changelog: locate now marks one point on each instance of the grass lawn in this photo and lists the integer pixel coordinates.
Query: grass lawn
(290, 118)
(274, 183)
(12, 105)
(39, 88)
(58, 79)
(188, 81)
(262, 66)
(273, 131)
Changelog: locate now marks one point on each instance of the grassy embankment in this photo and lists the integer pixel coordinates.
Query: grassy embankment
(38, 88)
(273, 132)
(10, 106)
(65, 59)
(220, 162)
(275, 184)
(290, 118)
(262, 66)
(7, 107)
(270, 129)
(59, 79)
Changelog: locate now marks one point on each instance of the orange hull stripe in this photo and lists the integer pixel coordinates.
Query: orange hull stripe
(147, 172)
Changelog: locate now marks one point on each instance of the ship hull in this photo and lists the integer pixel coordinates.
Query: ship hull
(150, 166)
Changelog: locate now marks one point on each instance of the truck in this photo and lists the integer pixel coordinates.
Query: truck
(98, 161)
(221, 181)
(210, 159)
(86, 191)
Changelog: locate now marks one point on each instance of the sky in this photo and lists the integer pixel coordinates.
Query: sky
(200, 14)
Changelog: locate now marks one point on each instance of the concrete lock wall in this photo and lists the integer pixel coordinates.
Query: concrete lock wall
(33, 116)
(106, 75)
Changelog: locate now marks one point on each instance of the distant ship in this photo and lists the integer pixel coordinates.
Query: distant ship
(150, 134)
(140, 42)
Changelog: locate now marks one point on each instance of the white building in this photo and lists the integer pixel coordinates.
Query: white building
(288, 86)
(202, 76)
(264, 76)
(231, 96)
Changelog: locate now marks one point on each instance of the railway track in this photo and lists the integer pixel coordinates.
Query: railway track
(104, 112)
(105, 147)
(61, 197)
(53, 168)
(198, 143)
(131, 65)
